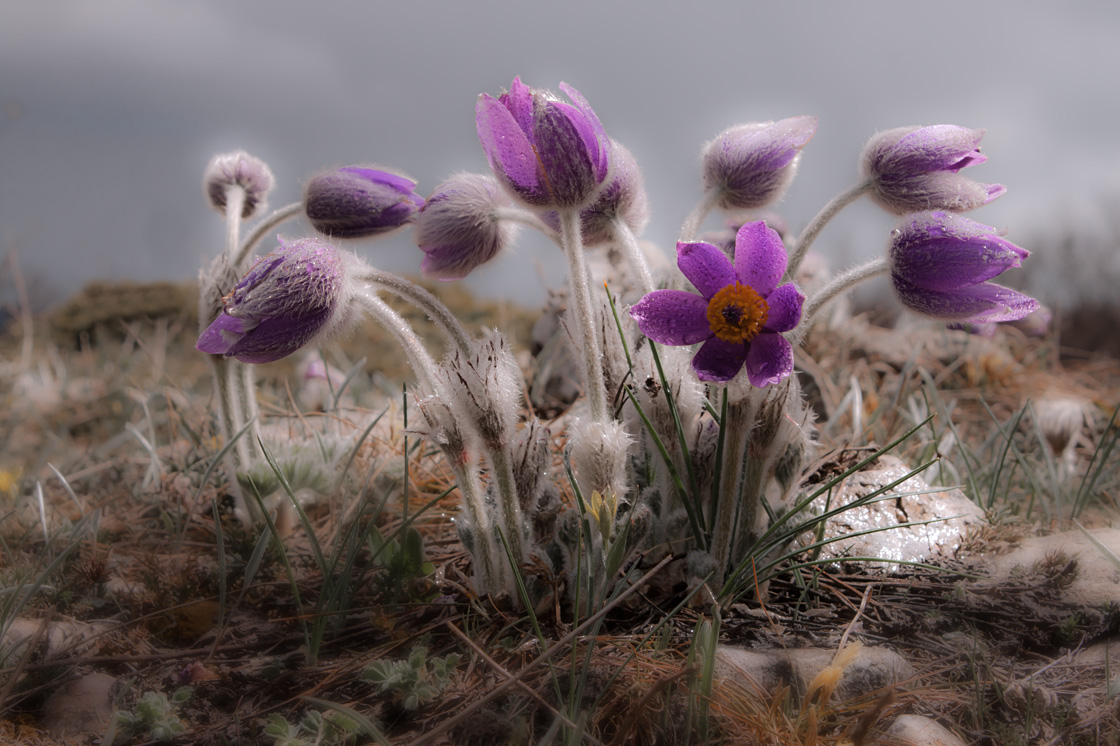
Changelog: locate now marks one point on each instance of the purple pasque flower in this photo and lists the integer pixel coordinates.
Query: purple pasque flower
(459, 227)
(237, 168)
(940, 264)
(623, 197)
(294, 294)
(546, 152)
(739, 313)
(918, 168)
(751, 165)
(360, 201)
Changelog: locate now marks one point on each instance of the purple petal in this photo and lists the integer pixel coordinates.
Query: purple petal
(717, 360)
(672, 317)
(601, 152)
(979, 303)
(454, 262)
(279, 336)
(938, 190)
(568, 163)
(519, 102)
(769, 359)
(946, 252)
(508, 148)
(995, 191)
(941, 147)
(377, 176)
(705, 266)
(785, 308)
(779, 143)
(760, 257)
(222, 334)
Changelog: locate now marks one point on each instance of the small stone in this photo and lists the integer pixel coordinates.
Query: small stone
(80, 706)
(915, 730)
(873, 669)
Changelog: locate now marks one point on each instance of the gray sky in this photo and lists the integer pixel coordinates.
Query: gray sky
(110, 109)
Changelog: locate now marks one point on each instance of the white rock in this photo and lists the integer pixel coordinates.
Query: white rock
(915, 730)
(910, 501)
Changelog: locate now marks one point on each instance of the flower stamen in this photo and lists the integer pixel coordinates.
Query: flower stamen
(737, 313)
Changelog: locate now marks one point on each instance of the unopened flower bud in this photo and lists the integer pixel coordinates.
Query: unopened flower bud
(360, 201)
(624, 198)
(458, 228)
(297, 293)
(237, 169)
(601, 456)
(917, 168)
(751, 165)
(940, 265)
(546, 152)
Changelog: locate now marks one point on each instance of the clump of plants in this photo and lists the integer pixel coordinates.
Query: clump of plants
(692, 436)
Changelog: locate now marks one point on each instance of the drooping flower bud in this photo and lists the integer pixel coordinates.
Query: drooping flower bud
(459, 229)
(940, 264)
(237, 169)
(360, 201)
(299, 292)
(546, 152)
(917, 168)
(751, 165)
(624, 197)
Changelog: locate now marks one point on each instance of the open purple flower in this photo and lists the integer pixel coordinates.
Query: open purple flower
(751, 165)
(917, 168)
(739, 313)
(359, 201)
(285, 300)
(940, 265)
(547, 153)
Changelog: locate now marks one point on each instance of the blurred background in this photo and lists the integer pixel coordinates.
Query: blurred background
(110, 110)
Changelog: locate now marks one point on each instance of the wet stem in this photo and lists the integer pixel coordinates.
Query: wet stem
(583, 314)
(820, 220)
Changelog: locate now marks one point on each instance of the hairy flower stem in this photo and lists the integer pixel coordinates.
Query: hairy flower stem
(233, 380)
(466, 470)
(737, 433)
(691, 227)
(639, 267)
(425, 368)
(584, 316)
(840, 284)
(235, 203)
(820, 220)
(426, 302)
(263, 227)
(513, 520)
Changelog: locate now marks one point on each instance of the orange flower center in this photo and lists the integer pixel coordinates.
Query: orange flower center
(737, 313)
